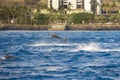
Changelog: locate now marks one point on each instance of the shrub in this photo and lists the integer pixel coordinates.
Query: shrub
(41, 19)
(79, 17)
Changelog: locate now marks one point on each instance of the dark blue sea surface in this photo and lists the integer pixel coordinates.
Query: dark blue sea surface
(86, 55)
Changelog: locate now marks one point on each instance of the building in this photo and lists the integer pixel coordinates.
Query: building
(99, 7)
(76, 5)
(93, 7)
(55, 4)
(87, 6)
(72, 4)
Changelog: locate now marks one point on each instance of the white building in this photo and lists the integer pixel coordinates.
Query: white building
(87, 6)
(75, 5)
(54, 4)
(72, 4)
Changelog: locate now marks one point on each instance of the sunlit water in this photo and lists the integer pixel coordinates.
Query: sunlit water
(87, 55)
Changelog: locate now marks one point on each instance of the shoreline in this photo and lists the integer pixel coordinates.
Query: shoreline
(94, 27)
(61, 27)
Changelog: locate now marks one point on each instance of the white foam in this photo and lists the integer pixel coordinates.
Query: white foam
(111, 50)
(74, 47)
(53, 68)
(2, 58)
(93, 47)
(52, 44)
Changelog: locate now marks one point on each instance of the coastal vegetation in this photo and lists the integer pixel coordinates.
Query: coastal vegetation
(25, 15)
(30, 13)
(81, 17)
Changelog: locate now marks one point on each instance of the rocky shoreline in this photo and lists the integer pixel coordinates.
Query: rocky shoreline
(66, 27)
(94, 27)
(24, 27)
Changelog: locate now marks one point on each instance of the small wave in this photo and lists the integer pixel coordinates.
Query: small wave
(53, 68)
(74, 47)
(112, 50)
(93, 47)
(2, 58)
(53, 44)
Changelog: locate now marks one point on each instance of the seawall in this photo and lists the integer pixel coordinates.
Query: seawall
(62, 27)
(24, 27)
(93, 27)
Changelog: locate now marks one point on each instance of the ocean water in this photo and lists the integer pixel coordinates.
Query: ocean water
(86, 55)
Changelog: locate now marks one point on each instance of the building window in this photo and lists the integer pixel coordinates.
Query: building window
(65, 1)
(79, 6)
(65, 6)
(79, 1)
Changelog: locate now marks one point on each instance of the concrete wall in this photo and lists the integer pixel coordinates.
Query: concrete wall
(58, 27)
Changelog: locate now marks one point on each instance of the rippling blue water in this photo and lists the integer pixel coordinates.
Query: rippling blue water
(87, 55)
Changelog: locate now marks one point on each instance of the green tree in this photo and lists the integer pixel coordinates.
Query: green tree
(5, 14)
(42, 19)
(106, 7)
(22, 14)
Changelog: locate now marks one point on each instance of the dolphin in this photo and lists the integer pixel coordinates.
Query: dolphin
(57, 37)
(7, 57)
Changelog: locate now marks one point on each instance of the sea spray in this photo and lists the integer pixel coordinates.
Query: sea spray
(74, 47)
(92, 47)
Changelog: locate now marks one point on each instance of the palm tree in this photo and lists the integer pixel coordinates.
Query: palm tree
(20, 10)
(23, 12)
(38, 8)
(7, 14)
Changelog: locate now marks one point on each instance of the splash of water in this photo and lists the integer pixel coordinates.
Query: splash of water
(52, 44)
(75, 47)
(92, 47)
